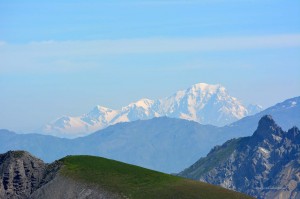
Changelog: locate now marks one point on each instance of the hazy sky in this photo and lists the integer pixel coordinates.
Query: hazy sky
(59, 58)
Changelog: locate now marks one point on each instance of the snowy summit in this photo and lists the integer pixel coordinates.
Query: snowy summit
(203, 103)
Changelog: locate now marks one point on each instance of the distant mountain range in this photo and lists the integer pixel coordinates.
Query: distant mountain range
(265, 165)
(203, 103)
(163, 144)
(286, 114)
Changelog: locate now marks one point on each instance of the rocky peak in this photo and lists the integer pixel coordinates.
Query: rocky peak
(20, 174)
(265, 165)
(14, 154)
(294, 134)
(267, 127)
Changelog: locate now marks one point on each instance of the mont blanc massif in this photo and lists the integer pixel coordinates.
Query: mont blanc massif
(197, 143)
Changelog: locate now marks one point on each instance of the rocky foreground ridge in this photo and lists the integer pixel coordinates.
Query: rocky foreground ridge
(23, 176)
(264, 165)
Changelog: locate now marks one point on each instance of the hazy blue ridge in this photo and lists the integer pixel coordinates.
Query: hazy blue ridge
(164, 144)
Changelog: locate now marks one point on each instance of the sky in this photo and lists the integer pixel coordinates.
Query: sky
(61, 58)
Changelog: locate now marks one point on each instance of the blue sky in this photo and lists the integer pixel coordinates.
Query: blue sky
(60, 58)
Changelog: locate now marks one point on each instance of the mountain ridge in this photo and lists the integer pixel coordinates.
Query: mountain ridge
(131, 142)
(203, 103)
(24, 176)
(285, 113)
(264, 165)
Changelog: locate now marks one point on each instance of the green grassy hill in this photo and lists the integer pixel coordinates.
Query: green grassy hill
(135, 182)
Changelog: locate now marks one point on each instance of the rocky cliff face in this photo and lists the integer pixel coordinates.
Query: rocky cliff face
(265, 165)
(23, 176)
(20, 174)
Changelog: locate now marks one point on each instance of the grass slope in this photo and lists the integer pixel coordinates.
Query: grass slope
(136, 182)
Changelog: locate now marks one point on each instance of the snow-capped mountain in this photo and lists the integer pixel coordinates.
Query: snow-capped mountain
(203, 103)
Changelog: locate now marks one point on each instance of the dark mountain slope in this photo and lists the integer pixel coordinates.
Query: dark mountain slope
(286, 114)
(163, 144)
(49, 148)
(265, 165)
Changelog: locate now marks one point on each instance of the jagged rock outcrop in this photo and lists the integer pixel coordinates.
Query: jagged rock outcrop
(23, 176)
(265, 165)
(20, 174)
